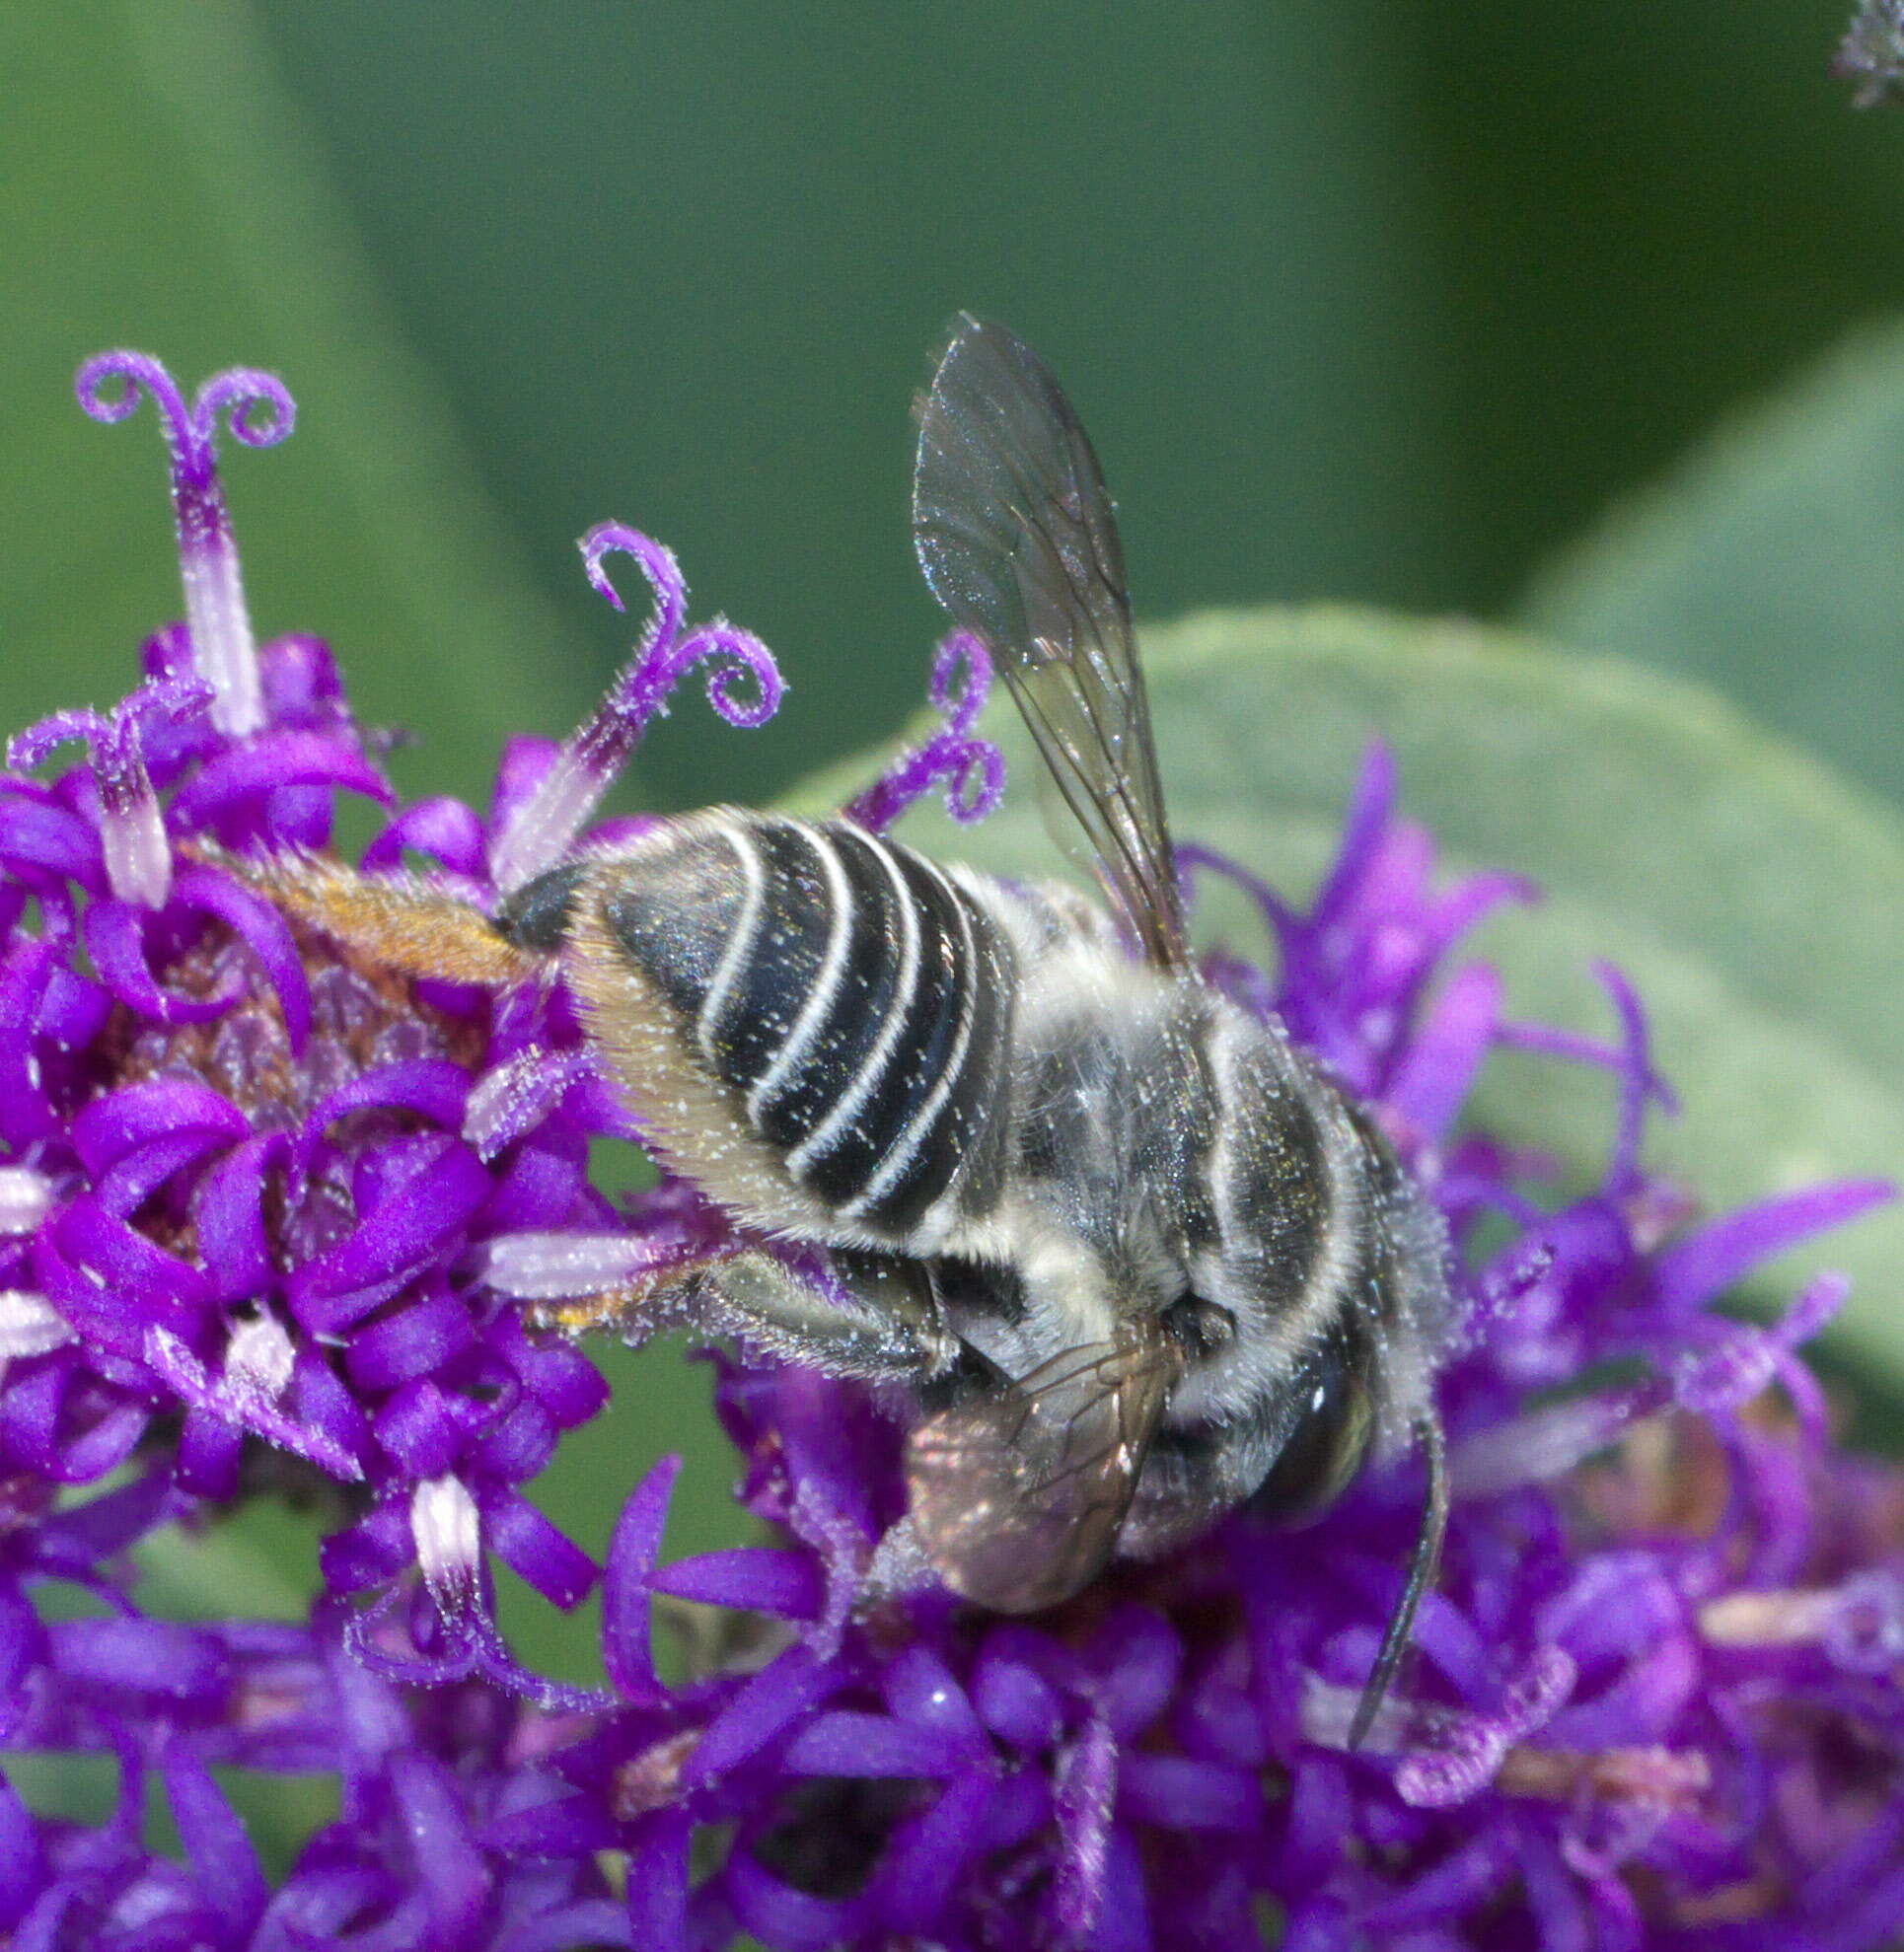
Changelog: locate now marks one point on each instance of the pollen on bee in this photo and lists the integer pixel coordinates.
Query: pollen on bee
(403, 922)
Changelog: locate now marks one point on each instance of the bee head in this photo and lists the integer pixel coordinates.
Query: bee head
(1287, 1351)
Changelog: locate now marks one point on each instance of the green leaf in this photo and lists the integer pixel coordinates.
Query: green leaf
(157, 190)
(1771, 564)
(1756, 901)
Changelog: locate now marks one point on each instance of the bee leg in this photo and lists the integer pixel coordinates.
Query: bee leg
(885, 1327)
(877, 1317)
(1421, 1575)
(635, 1313)
(881, 1326)
(888, 1330)
(398, 920)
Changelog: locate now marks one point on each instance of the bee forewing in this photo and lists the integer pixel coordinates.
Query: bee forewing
(1016, 534)
(1019, 1491)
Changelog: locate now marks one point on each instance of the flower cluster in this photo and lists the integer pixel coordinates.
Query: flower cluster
(269, 1217)
(1871, 53)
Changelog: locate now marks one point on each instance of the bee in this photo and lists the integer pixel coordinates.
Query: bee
(1136, 1260)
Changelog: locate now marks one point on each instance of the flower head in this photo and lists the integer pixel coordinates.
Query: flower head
(1871, 53)
(270, 1215)
(252, 1180)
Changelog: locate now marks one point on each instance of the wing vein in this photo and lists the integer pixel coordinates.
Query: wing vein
(1017, 537)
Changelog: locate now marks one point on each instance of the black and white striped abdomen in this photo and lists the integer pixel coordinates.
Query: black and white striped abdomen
(853, 1001)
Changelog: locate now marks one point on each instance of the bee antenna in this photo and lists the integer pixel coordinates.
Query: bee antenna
(1421, 1576)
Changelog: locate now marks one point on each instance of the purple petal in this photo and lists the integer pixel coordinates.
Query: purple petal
(112, 1522)
(781, 1917)
(448, 1860)
(658, 1884)
(38, 839)
(1124, 1924)
(632, 1556)
(124, 1120)
(420, 1428)
(238, 1403)
(124, 1283)
(370, 1553)
(209, 1456)
(1467, 1876)
(919, 1687)
(143, 1175)
(1370, 808)
(526, 1541)
(23, 1864)
(748, 1578)
(929, 1856)
(559, 1376)
(427, 1333)
(216, 1841)
(150, 1658)
(229, 1213)
(848, 1742)
(584, 1927)
(433, 1088)
(788, 1687)
(562, 1827)
(1435, 1078)
(263, 932)
(45, 1427)
(444, 829)
(242, 774)
(1015, 1703)
(1176, 1793)
(393, 1242)
(1139, 1658)
(1706, 1263)
(116, 939)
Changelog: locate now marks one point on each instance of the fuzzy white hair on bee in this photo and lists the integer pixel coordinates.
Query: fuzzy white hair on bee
(1137, 1257)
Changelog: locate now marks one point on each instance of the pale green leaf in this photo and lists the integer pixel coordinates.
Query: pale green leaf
(1771, 564)
(1755, 899)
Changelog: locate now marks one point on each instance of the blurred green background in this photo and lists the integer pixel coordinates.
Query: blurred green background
(1362, 298)
(1530, 314)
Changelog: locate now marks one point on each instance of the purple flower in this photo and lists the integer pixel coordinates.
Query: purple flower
(252, 1180)
(269, 1215)
(1871, 53)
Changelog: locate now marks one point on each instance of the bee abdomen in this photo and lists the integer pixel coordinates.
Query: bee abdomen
(853, 999)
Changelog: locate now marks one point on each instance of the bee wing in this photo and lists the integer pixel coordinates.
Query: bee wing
(1019, 1491)
(1016, 534)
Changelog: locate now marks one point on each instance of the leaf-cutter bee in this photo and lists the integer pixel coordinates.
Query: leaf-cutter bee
(1134, 1256)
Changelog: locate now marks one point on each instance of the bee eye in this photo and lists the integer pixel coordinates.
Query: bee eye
(1326, 1444)
(1199, 1326)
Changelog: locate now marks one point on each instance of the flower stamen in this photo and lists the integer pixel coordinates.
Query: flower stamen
(447, 1529)
(26, 1197)
(132, 828)
(260, 412)
(971, 769)
(539, 833)
(1859, 1624)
